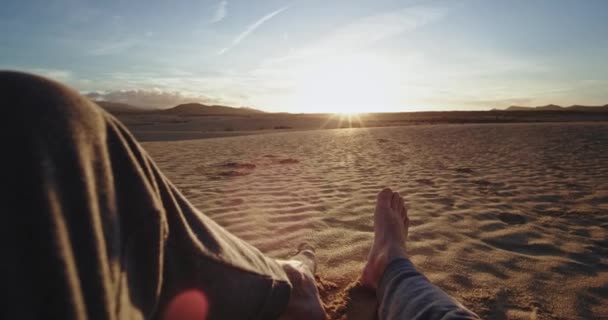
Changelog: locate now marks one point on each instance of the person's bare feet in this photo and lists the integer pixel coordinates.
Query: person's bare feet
(390, 233)
(304, 302)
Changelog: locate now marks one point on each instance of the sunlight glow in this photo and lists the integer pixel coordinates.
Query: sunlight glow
(345, 84)
(346, 120)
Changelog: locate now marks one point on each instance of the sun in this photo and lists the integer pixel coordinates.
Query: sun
(345, 84)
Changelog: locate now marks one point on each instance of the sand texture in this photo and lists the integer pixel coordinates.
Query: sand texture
(510, 218)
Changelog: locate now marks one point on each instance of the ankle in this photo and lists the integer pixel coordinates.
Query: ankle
(377, 262)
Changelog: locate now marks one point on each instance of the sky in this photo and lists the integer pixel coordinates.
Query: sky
(316, 55)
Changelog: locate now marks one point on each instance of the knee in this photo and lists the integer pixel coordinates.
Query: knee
(32, 95)
(33, 101)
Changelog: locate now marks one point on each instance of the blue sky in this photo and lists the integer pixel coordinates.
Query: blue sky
(311, 56)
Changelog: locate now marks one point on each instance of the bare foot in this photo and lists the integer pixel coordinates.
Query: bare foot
(390, 232)
(304, 302)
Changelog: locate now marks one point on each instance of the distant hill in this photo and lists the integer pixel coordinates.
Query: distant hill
(553, 107)
(182, 109)
(588, 108)
(519, 108)
(202, 109)
(117, 107)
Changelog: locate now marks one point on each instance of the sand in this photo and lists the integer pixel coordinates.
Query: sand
(179, 125)
(512, 219)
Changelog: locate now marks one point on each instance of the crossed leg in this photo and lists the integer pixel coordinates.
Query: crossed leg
(92, 228)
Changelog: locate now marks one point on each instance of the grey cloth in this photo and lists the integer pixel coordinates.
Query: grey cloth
(405, 293)
(91, 229)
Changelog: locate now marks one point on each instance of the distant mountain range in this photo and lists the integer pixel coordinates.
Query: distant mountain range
(202, 109)
(198, 109)
(117, 107)
(182, 109)
(553, 107)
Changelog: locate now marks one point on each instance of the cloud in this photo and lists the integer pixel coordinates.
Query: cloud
(382, 26)
(55, 74)
(367, 31)
(220, 12)
(250, 29)
(113, 47)
(150, 98)
(496, 103)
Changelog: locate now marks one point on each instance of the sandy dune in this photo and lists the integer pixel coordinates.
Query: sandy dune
(512, 219)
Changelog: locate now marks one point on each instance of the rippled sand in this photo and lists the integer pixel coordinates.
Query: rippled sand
(511, 219)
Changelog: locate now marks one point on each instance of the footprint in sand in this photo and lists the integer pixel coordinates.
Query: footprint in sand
(238, 165)
(237, 169)
(464, 170)
(288, 161)
(511, 218)
(483, 183)
(427, 182)
(555, 167)
(233, 173)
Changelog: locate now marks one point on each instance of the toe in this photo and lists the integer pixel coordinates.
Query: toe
(384, 197)
(396, 202)
(306, 255)
(400, 204)
(406, 219)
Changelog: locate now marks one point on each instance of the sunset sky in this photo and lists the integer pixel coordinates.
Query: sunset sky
(316, 56)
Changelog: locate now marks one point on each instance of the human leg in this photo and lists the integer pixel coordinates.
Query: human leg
(93, 229)
(304, 301)
(402, 291)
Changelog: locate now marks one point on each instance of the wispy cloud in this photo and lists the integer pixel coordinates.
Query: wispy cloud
(220, 12)
(250, 29)
(384, 25)
(113, 47)
(366, 32)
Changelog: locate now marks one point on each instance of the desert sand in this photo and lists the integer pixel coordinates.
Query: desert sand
(179, 124)
(512, 219)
